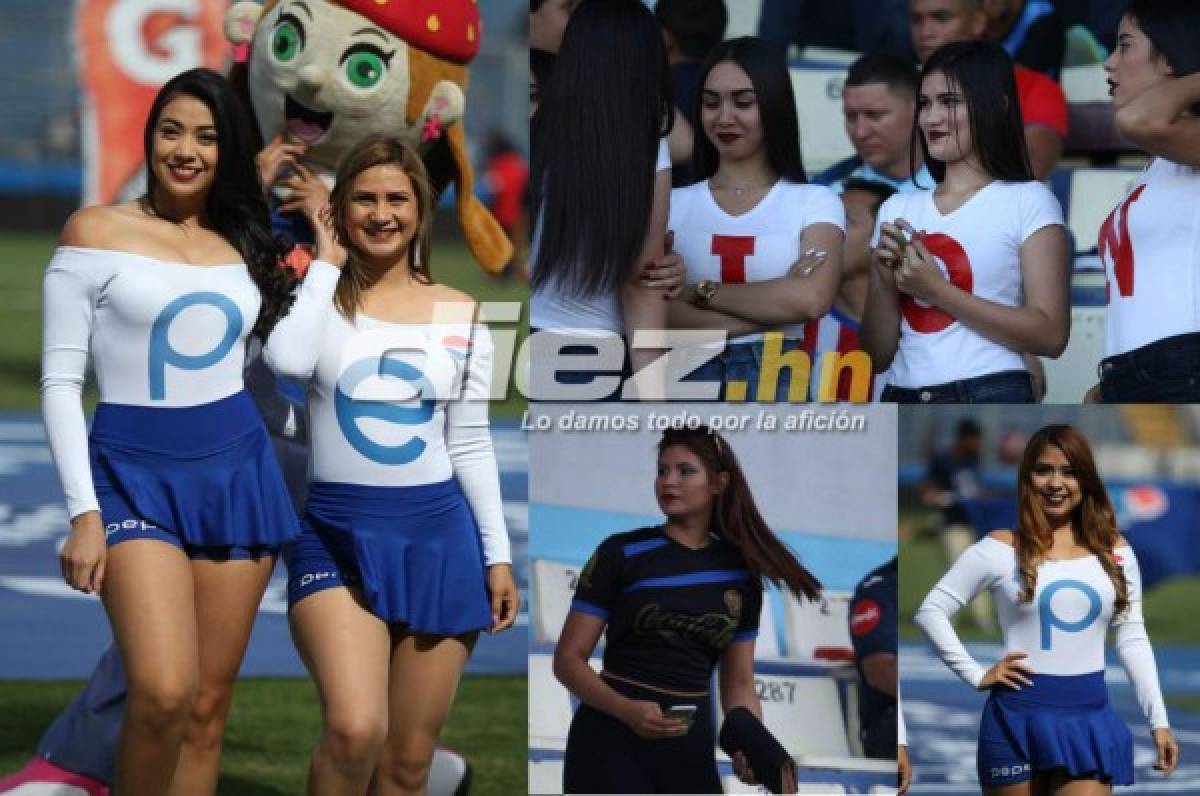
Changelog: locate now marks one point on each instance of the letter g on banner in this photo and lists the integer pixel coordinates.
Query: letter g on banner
(1050, 620)
(161, 352)
(349, 411)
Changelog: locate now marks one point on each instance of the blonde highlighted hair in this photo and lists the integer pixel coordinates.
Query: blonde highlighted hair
(372, 151)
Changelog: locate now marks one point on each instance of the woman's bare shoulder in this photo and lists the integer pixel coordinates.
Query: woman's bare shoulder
(100, 226)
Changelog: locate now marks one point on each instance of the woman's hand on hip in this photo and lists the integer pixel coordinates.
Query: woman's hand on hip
(83, 556)
(1168, 750)
(647, 721)
(1010, 671)
(506, 600)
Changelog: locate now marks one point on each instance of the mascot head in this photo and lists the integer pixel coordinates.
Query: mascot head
(330, 72)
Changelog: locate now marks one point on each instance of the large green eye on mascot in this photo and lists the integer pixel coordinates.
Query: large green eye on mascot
(327, 73)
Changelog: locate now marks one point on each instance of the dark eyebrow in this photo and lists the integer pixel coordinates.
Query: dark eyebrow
(301, 5)
(374, 31)
(948, 95)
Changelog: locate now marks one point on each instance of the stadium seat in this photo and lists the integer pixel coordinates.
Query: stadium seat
(812, 625)
(546, 776)
(818, 92)
(553, 584)
(550, 708)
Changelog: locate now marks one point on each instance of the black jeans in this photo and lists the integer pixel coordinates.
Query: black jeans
(1005, 387)
(605, 756)
(1165, 371)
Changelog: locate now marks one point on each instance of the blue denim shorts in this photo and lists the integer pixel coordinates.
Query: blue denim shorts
(1005, 387)
(739, 367)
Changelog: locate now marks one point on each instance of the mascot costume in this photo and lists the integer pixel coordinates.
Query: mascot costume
(327, 73)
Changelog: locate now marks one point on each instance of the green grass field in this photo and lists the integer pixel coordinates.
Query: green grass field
(275, 723)
(1169, 607)
(23, 258)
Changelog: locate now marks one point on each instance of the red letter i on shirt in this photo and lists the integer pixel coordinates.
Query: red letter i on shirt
(733, 251)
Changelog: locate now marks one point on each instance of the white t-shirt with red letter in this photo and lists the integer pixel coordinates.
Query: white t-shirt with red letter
(978, 247)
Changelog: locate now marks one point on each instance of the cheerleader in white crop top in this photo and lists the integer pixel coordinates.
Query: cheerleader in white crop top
(403, 557)
(1060, 581)
(983, 279)
(177, 503)
(1150, 243)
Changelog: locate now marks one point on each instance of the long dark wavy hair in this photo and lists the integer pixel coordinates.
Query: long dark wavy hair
(766, 66)
(736, 518)
(380, 150)
(1173, 28)
(1094, 521)
(236, 207)
(595, 141)
(983, 73)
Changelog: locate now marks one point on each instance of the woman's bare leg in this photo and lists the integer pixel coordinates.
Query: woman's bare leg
(424, 676)
(346, 649)
(227, 596)
(148, 595)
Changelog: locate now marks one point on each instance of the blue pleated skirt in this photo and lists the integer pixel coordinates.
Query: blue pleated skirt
(414, 551)
(204, 478)
(1060, 722)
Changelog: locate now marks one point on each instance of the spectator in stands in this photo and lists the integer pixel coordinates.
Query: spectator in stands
(873, 631)
(694, 605)
(507, 177)
(1043, 106)
(547, 22)
(1061, 578)
(879, 103)
(691, 28)
(837, 330)
(953, 479)
(1150, 244)
(601, 176)
(903, 764)
(762, 248)
(958, 335)
(859, 26)
(1031, 31)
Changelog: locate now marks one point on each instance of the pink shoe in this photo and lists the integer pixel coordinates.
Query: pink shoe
(40, 777)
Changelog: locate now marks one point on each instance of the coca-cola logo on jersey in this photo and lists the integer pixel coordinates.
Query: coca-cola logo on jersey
(865, 617)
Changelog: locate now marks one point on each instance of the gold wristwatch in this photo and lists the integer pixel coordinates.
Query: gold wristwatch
(706, 291)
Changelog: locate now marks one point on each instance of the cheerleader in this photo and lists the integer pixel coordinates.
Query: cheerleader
(970, 276)
(677, 601)
(1059, 581)
(176, 501)
(762, 248)
(404, 556)
(1150, 243)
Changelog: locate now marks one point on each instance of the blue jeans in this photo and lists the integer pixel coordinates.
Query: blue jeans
(740, 366)
(1005, 387)
(1165, 371)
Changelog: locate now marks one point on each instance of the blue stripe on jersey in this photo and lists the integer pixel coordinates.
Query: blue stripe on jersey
(588, 608)
(695, 578)
(643, 546)
(746, 635)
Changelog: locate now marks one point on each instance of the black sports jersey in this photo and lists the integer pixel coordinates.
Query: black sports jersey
(671, 610)
(873, 629)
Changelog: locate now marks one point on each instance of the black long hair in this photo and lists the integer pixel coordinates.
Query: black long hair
(1173, 28)
(236, 208)
(766, 66)
(603, 110)
(736, 517)
(983, 73)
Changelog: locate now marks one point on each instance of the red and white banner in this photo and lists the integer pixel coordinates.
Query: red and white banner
(127, 49)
